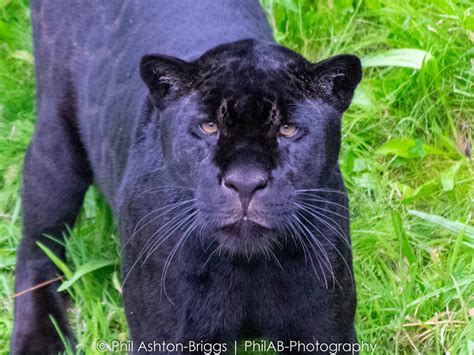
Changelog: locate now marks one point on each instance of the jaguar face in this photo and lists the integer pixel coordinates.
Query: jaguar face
(248, 126)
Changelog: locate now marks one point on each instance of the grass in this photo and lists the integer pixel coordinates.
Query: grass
(405, 158)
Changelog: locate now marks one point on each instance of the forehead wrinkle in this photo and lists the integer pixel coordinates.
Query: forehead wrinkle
(222, 111)
(274, 116)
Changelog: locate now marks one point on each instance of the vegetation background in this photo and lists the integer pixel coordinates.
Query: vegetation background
(406, 159)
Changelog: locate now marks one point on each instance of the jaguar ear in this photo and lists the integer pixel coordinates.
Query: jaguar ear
(336, 78)
(166, 77)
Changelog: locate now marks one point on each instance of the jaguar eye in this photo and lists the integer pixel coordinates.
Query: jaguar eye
(288, 130)
(208, 127)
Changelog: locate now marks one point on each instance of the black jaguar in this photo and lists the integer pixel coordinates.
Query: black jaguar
(217, 150)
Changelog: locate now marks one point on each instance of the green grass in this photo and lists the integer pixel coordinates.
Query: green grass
(406, 144)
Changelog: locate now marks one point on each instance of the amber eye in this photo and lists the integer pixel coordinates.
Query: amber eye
(288, 130)
(209, 127)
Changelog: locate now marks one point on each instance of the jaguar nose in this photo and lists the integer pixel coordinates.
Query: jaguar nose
(246, 182)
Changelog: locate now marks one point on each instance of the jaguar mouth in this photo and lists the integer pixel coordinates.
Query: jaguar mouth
(245, 226)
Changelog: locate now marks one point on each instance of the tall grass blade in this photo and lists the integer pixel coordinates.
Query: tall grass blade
(406, 249)
(406, 58)
(452, 226)
(83, 270)
(56, 260)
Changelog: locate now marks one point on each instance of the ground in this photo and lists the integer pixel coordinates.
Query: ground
(406, 159)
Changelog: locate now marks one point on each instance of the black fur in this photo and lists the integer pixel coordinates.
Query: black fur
(234, 248)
